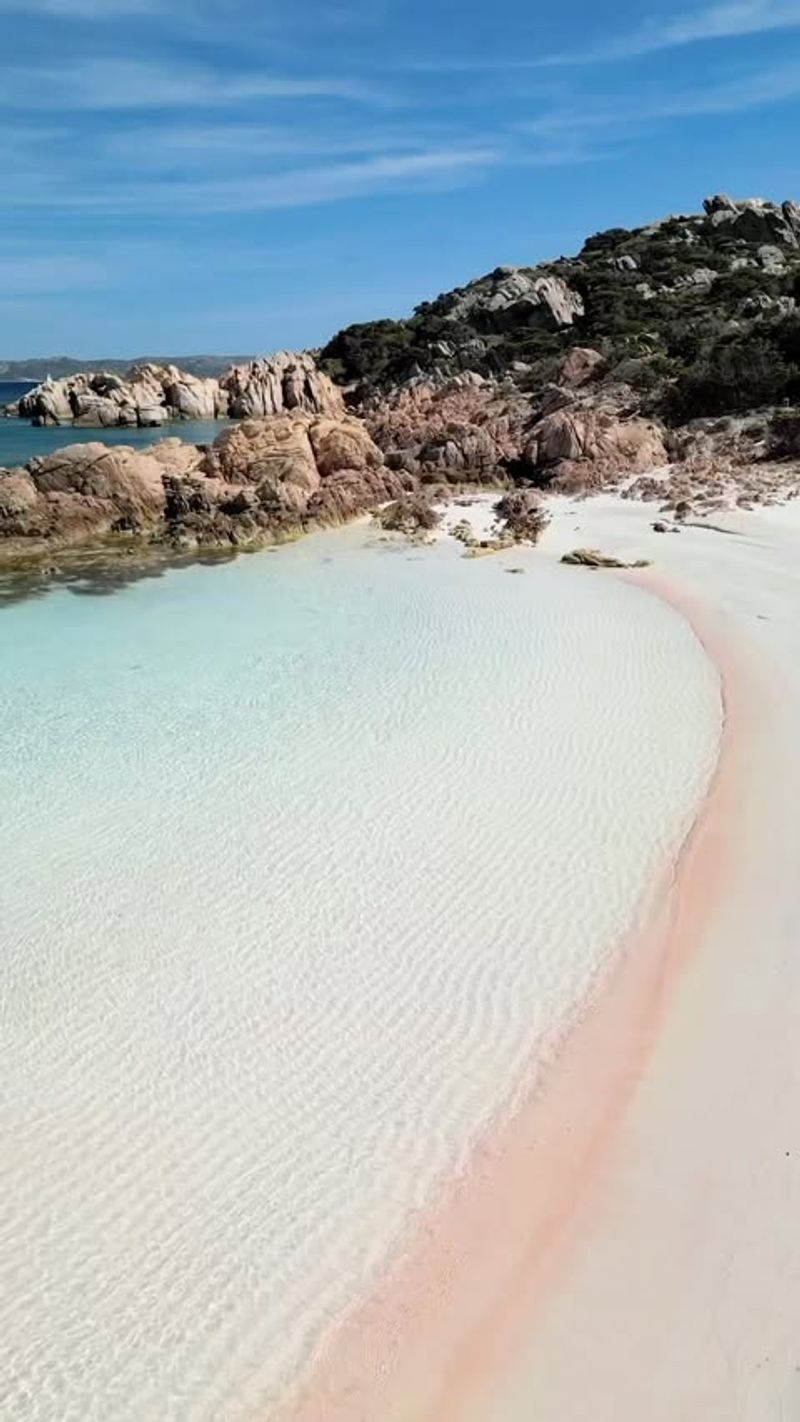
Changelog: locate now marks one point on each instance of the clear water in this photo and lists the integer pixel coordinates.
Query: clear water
(300, 859)
(20, 441)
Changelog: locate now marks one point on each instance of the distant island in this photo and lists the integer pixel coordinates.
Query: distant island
(59, 366)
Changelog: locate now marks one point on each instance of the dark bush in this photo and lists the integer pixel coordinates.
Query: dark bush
(525, 518)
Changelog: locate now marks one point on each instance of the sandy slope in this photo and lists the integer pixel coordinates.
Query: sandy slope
(682, 1295)
(685, 1291)
(627, 1247)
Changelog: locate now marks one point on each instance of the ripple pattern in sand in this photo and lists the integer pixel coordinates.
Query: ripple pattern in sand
(299, 859)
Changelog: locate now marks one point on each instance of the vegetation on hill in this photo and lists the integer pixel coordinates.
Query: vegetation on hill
(698, 313)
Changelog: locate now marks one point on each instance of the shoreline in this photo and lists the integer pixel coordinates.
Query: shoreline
(379, 1043)
(454, 1303)
(622, 1242)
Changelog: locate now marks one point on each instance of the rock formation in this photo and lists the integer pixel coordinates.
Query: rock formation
(261, 478)
(83, 492)
(522, 514)
(472, 430)
(151, 395)
(579, 366)
(586, 447)
(513, 296)
(467, 429)
(698, 311)
(756, 219)
(279, 385)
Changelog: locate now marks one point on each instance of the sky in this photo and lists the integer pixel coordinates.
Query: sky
(237, 176)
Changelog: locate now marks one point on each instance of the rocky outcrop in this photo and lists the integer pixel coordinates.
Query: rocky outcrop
(280, 385)
(676, 303)
(586, 447)
(83, 492)
(481, 432)
(514, 296)
(260, 479)
(151, 395)
(755, 219)
(579, 366)
(467, 429)
(186, 396)
(148, 396)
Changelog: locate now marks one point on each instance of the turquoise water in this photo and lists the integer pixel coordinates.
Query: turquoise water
(301, 857)
(20, 441)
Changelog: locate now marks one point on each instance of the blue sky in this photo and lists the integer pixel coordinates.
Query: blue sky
(239, 175)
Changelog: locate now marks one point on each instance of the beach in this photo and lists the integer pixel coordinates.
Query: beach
(436, 1062)
(625, 1246)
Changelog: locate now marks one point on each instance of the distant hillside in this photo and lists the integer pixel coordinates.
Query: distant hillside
(697, 313)
(58, 366)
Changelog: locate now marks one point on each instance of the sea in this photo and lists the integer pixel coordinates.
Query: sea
(305, 861)
(21, 441)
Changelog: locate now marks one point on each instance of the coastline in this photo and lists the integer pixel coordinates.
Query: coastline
(623, 1213)
(349, 1073)
(466, 1287)
(652, 1269)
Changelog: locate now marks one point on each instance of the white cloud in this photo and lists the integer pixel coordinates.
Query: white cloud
(253, 192)
(155, 148)
(743, 17)
(713, 22)
(120, 84)
(775, 85)
(81, 9)
(732, 20)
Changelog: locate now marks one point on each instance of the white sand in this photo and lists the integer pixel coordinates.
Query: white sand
(304, 863)
(678, 1293)
(197, 1195)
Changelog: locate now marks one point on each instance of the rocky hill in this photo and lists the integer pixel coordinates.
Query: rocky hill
(698, 314)
(663, 363)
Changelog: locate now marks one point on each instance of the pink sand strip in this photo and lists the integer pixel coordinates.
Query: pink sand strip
(466, 1287)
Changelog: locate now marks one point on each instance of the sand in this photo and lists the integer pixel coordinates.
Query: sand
(626, 1246)
(545, 1166)
(307, 864)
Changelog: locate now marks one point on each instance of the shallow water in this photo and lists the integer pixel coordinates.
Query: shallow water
(21, 441)
(300, 858)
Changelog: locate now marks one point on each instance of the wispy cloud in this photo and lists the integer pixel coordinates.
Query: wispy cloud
(713, 22)
(81, 9)
(47, 273)
(297, 187)
(187, 147)
(119, 84)
(774, 85)
(737, 19)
